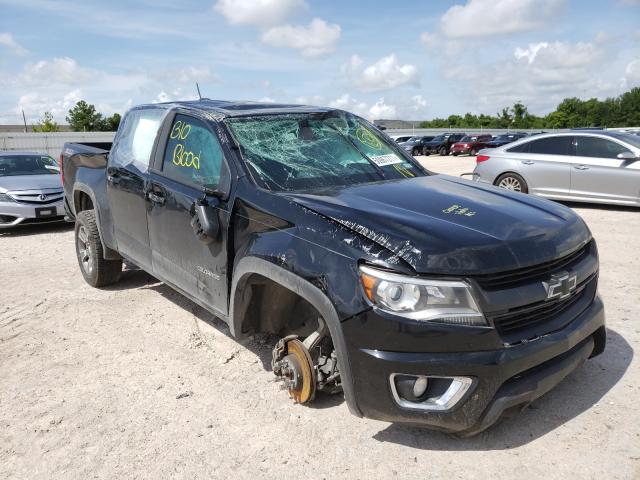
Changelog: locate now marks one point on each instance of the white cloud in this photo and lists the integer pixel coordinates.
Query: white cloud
(384, 74)
(56, 84)
(540, 75)
(350, 104)
(7, 40)
(267, 100)
(263, 13)
(531, 52)
(493, 17)
(381, 108)
(173, 96)
(632, 74)
(318, 38)
(382, 111)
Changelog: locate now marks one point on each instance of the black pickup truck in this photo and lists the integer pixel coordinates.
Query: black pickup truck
(424, 298)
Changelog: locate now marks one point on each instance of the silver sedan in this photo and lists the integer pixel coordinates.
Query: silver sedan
(30, 189)
(581, 166)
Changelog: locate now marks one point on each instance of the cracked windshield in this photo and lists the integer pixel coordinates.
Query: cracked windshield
(295, 152)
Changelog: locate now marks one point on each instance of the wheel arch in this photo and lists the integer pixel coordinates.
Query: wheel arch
(83, 196)
(240, 301)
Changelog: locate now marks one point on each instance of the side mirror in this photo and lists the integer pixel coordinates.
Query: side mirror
(627, 156)
(204, 221)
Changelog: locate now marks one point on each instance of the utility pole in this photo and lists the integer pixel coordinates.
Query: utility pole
(25, 121)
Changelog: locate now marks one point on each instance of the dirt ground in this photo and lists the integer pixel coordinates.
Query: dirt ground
(135, 381)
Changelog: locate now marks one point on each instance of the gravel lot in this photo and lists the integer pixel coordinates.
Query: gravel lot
(135, 381)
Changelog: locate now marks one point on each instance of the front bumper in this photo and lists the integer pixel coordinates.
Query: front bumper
(13, 214)
(460, 150)
(504, 379)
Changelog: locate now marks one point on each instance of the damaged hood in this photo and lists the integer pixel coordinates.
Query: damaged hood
(441, 224)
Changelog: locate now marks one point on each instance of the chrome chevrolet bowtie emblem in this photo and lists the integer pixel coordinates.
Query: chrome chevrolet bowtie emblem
(560, 285)
(43, 197)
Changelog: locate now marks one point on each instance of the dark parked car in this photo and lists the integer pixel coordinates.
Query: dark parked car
(505, 138)
(415, 145)
(442, 143)
(471, 144)
(425, 299)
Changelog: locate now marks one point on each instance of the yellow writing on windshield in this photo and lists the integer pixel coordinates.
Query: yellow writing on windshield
(365, 136)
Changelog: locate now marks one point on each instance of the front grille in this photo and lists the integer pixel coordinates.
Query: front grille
(521, 275)
(543, 317)
(34, 198)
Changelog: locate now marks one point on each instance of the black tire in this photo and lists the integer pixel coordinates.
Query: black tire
(415, 152)
(512, 181)
(443, 151)
(96, 271)
(426, 152)
(473, 152)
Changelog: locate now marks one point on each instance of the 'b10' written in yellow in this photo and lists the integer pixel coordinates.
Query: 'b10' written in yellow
(180, 130)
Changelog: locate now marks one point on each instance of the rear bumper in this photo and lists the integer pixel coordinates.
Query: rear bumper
(503, 379)
(13, 214)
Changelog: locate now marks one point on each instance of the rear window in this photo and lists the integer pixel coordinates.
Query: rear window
(136, 137)
(14, 165)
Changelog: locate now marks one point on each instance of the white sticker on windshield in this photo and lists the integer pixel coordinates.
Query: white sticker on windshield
(383, 160)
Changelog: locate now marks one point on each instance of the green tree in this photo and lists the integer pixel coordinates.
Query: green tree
(46, 124)
(113, 122)
(83, 117)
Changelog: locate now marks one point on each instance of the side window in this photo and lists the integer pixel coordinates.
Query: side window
(551, 145)
(136, 137)
(522, 148)
(193, 153)
(598, 147)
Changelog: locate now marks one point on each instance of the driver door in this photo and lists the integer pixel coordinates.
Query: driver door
(191, 159)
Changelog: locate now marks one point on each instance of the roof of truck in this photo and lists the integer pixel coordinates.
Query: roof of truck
(243, 108)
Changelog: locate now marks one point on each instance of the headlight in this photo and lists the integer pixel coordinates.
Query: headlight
(5, 198)
(420, 299)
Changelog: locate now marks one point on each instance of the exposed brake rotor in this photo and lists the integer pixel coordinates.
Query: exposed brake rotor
(292, 362)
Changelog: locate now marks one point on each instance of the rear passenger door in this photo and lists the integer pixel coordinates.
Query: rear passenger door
(189, 159)
(599, 174)
(127, 173)
(545, 163)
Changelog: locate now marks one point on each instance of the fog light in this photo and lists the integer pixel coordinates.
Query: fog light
(420, 386)
(429, 393)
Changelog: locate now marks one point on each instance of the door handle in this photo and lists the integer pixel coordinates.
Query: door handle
(528, 162)
(156, 198)
(581, 167)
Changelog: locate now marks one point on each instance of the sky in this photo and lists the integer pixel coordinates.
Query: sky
(410, 60)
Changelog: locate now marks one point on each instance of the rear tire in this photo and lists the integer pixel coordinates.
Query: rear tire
(473, 152)
(512, 181)
(443, 152)
(415, 152)
(96, 271)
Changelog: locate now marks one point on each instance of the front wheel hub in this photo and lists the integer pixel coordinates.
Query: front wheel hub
(293, 365)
